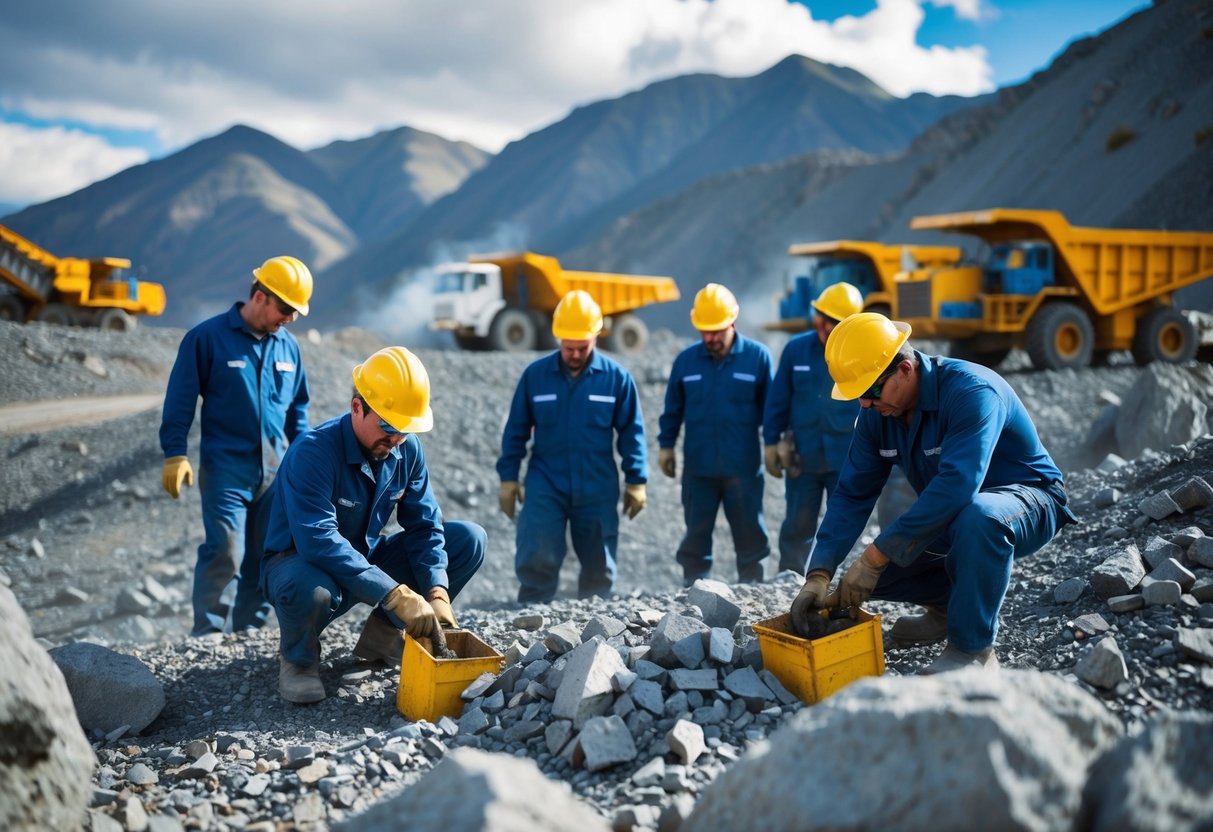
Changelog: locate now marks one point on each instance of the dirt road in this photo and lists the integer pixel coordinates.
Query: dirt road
(53, 414)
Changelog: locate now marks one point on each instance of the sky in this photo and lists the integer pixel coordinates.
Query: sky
(90, 88)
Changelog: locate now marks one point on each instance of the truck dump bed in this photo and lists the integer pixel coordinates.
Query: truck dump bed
(536, 281)
(885, 257)
(28, 268)
(1114, 269)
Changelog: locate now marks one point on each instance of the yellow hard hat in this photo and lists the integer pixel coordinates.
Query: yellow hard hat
(715, 308)
(287, 278)
(859, 349)
(396, 386)
(577, 317)
(838, 301)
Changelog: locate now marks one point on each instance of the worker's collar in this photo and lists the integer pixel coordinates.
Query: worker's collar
(354, 453)
(236, 321)
(736, 349)
(595, 365)
(928, 382)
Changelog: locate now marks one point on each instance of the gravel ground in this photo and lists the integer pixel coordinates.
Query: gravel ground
(83, 520)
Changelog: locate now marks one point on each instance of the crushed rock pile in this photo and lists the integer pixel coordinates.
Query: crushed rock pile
(104, 557)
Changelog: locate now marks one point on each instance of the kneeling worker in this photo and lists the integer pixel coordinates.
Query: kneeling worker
(988, 491)
(334, 494)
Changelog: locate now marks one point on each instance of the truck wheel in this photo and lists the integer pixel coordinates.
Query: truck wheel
(116, 320)
(544, 339)
(11, 308)
(56, 313)
(1164, 334)
(1060, 336)
(512, 331)
(628, 335)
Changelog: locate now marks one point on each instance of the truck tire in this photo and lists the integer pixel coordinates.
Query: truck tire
(513, 330)
(544, 339)
(628, 335)
(56, 313)
(11, 308)
(1164, 334)
(116, 320)
(1060, 336)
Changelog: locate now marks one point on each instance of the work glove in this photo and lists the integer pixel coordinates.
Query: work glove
(633, 499)
(857, 584)
(788, 458)
(177, 470)
(440, 601)
(418, 616)
(511, 494)
(666, 462)
(770, 458)
(811, 598)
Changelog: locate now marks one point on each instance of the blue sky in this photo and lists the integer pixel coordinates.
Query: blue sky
(88, 89)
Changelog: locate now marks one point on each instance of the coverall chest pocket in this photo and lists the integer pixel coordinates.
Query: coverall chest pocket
(694, 389)
(545, 410)
(285, 379)
(600, 413)
(742, 387)
(351, 512)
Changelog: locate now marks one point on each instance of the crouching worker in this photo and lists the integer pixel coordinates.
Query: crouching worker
(988, 492)
(334, 494)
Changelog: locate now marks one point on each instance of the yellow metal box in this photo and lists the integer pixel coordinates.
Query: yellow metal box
(429, 687)
(814, 669)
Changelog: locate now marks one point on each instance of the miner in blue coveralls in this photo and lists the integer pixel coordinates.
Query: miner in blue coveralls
(807, 432)
(246, 367)
(717, 389)
(988, 492)
(325, 551)
(570, 405)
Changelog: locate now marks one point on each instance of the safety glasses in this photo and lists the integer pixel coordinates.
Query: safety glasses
(388, 429)
(874, 391)
(283, 307)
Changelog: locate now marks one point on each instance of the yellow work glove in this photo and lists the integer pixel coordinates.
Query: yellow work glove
(770, 458)
(510, 494)
(440, 601)
(177, 470)
(788, 458)
(857, 584)
(633, 499)
(418, 616)
(666, 462)
(809, 601)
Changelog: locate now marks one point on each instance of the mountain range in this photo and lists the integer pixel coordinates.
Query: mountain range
(701, 177)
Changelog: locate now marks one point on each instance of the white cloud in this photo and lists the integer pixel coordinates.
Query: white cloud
(310, 71)
(966, 9)
(41, 164)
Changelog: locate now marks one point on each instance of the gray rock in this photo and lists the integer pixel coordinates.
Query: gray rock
(1195, 642)
(1119, 573)
(986, 725)
(672, 629)
(1158, 550)
(110, 689)
(1186, 536)
(1091, 624)
(1164, 407)
(474, 791)
(46, 763)
(1193, 494)
(1103, 665)
(604, 626)
(716, 600)
(562, 638)
(585, 689)
(1069, 590)
(1126, 603)
(689, 650)
(1171, 570)
(1161, 593)
(1108, 497)
(686, 740)
(721, 645)
(131, 600)
(684, 679)
(1203, 590)
(1157, 780)
(1158, 506)
(1201, 552)
(605, 742)
(647, 695)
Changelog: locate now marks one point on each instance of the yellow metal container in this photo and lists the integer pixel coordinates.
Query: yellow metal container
(429, 687)
(814, 669)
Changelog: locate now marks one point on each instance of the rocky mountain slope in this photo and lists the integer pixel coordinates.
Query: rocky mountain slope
(94, 551)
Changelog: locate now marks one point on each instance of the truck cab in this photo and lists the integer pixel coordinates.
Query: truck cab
(1020, 268)
(467, 296)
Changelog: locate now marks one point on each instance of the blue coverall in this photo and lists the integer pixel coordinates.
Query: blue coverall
(721, 404)
(800, 400)
(325, 550)
(571, 478)
(988, 492)
(254, 404)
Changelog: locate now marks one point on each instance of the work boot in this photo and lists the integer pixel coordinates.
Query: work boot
(953, 658)
(380, 642)
(297, 683)
(926, 628)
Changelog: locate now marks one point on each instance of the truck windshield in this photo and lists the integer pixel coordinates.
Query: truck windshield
(452, 282)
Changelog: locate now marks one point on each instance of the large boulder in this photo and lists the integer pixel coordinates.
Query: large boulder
(111, 690)
(1157, 780)
(1166, 406)
(473, 790)
(46, 763)
(1003, 750)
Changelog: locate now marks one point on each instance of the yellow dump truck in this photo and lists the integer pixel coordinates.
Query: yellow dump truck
(870, 267)
(37, 285)
(505, 300)
(1065, 294)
